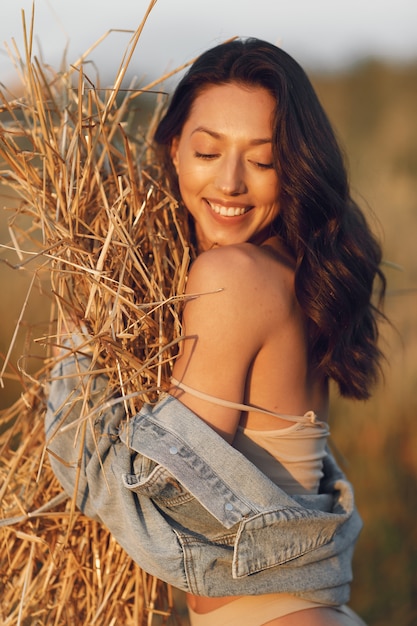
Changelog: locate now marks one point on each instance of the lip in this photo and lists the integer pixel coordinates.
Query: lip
(227, 209)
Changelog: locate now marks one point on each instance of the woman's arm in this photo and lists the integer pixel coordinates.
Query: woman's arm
(224, 329)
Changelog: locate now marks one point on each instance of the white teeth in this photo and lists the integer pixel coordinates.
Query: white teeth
(227, 211)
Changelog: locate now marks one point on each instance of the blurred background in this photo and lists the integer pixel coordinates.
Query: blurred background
(362, 59)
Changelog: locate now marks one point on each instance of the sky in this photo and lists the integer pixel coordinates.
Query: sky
(320, 34)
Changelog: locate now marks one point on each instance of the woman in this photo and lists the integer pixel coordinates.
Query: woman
(288, 262)
(279, 303)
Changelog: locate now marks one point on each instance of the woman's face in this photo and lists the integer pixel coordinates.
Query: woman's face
(224, 162)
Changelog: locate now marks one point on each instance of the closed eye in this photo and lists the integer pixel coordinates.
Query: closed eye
(206, 156)
(263, 166)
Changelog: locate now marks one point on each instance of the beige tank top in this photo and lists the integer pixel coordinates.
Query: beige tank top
(291, 457)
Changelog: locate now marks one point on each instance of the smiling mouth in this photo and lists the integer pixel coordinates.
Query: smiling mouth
(230, 211)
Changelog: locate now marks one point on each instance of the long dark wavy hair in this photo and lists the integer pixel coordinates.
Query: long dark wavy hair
(337, 258)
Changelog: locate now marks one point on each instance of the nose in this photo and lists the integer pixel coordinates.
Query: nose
(230, 178)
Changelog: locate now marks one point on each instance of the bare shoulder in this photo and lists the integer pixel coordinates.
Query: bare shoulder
(239, 322)
(247, 274)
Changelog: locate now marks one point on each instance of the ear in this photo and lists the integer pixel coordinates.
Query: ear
(174, 153)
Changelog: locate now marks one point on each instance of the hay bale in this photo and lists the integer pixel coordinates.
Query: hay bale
(111, 241)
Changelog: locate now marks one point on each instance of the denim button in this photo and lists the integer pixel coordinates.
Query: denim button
(173, 450)
(228, 507)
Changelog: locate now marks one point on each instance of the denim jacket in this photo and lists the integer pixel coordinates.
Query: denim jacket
(192, 510)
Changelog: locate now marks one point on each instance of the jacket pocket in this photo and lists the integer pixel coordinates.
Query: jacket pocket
(180, 507)
(155, 482)
(278, 537)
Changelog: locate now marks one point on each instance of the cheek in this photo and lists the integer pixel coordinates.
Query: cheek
(275, 189)
(270, 192)
(188, 186)
(191, 177)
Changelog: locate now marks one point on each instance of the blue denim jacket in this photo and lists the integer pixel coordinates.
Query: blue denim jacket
(192, 510)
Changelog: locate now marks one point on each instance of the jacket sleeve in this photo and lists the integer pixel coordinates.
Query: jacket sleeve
(75, 429)
(90, 460)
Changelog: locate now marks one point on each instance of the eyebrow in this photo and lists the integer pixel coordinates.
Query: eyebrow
(254, 142)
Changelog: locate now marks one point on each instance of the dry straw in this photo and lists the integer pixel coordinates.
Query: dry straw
(97, 222)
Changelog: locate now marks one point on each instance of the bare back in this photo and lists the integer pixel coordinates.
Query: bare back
(245, 339)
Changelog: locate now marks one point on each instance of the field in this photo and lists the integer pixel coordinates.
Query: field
(373, 108)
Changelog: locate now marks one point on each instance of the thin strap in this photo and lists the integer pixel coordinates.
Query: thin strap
(243, 407)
